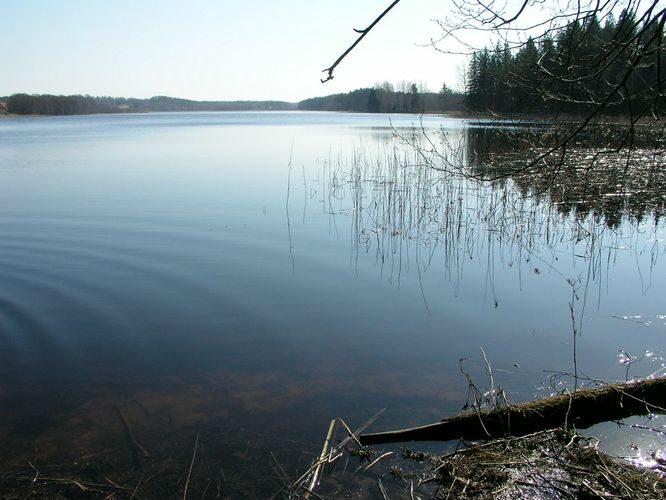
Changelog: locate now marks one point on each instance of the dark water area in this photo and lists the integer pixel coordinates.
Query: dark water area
(230, 282)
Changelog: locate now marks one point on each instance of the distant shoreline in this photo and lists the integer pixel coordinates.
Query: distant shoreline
(366, 100)
(452, 114)
(53, 105)
(475, 118)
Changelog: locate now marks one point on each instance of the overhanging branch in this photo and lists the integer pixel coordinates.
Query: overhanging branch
(363, 32)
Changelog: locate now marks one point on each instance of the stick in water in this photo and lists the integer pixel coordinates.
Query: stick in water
(194, 455)
(322, 457)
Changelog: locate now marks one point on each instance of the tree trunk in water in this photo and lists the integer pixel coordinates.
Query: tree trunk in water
(584, 409)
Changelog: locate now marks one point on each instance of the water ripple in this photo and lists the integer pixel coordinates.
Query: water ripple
(75, 288)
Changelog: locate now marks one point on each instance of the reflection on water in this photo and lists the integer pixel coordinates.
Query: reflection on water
(399, 208)
(228, 283)
(602, 172)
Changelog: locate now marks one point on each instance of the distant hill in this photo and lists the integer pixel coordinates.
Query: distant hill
(45, 104)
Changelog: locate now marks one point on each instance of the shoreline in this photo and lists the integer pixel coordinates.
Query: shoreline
(476, 119)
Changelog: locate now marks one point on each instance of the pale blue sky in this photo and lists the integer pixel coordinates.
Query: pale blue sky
(216, 49)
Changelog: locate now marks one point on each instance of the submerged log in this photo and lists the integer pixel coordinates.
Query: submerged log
(583, 409)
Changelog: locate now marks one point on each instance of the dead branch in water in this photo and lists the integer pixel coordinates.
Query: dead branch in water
(138, 451)
(586, 407)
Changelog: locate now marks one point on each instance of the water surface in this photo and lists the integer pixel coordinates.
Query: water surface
(246, 277)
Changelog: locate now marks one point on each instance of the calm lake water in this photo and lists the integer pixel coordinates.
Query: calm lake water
(247, 277)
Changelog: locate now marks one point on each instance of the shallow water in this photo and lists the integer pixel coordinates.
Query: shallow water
(249, 276)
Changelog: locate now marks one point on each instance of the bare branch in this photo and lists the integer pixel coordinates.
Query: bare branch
(362, 32)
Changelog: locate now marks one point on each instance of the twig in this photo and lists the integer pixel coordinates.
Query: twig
(194, 454)
(310, 476)
(83, 486)
(381, 488)
(322, 456)
(349, 431)
(203, 495)
(36, 472)
(135, 446)
(136, 487)
(362, 427)
(363, 32)
(285, 477)
(309, 492)
(112, 482)
(575, 362)
(380, 457)
(489, 370)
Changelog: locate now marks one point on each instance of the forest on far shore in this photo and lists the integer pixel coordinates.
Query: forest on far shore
(46, 104)
(385, 98)
(380, 99)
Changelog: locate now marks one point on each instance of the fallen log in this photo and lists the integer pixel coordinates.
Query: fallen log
(583, 409)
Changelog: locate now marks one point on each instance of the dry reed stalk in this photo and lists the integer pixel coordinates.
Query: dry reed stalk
(189, 474)
(377, 460)
(382, 489)
(349, 431)
(322, 457)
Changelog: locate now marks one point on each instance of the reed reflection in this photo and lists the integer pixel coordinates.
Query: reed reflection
(436, 203)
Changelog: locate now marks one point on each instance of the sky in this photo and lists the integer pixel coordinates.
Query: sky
(218, 49)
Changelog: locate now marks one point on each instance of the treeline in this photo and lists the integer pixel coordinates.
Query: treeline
(620, 65)
(24, 104)
(45, 104)
(385, 99)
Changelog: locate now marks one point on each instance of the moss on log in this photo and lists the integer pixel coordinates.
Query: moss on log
(584, 408)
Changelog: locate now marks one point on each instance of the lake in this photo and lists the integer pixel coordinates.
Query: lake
(230, 282)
